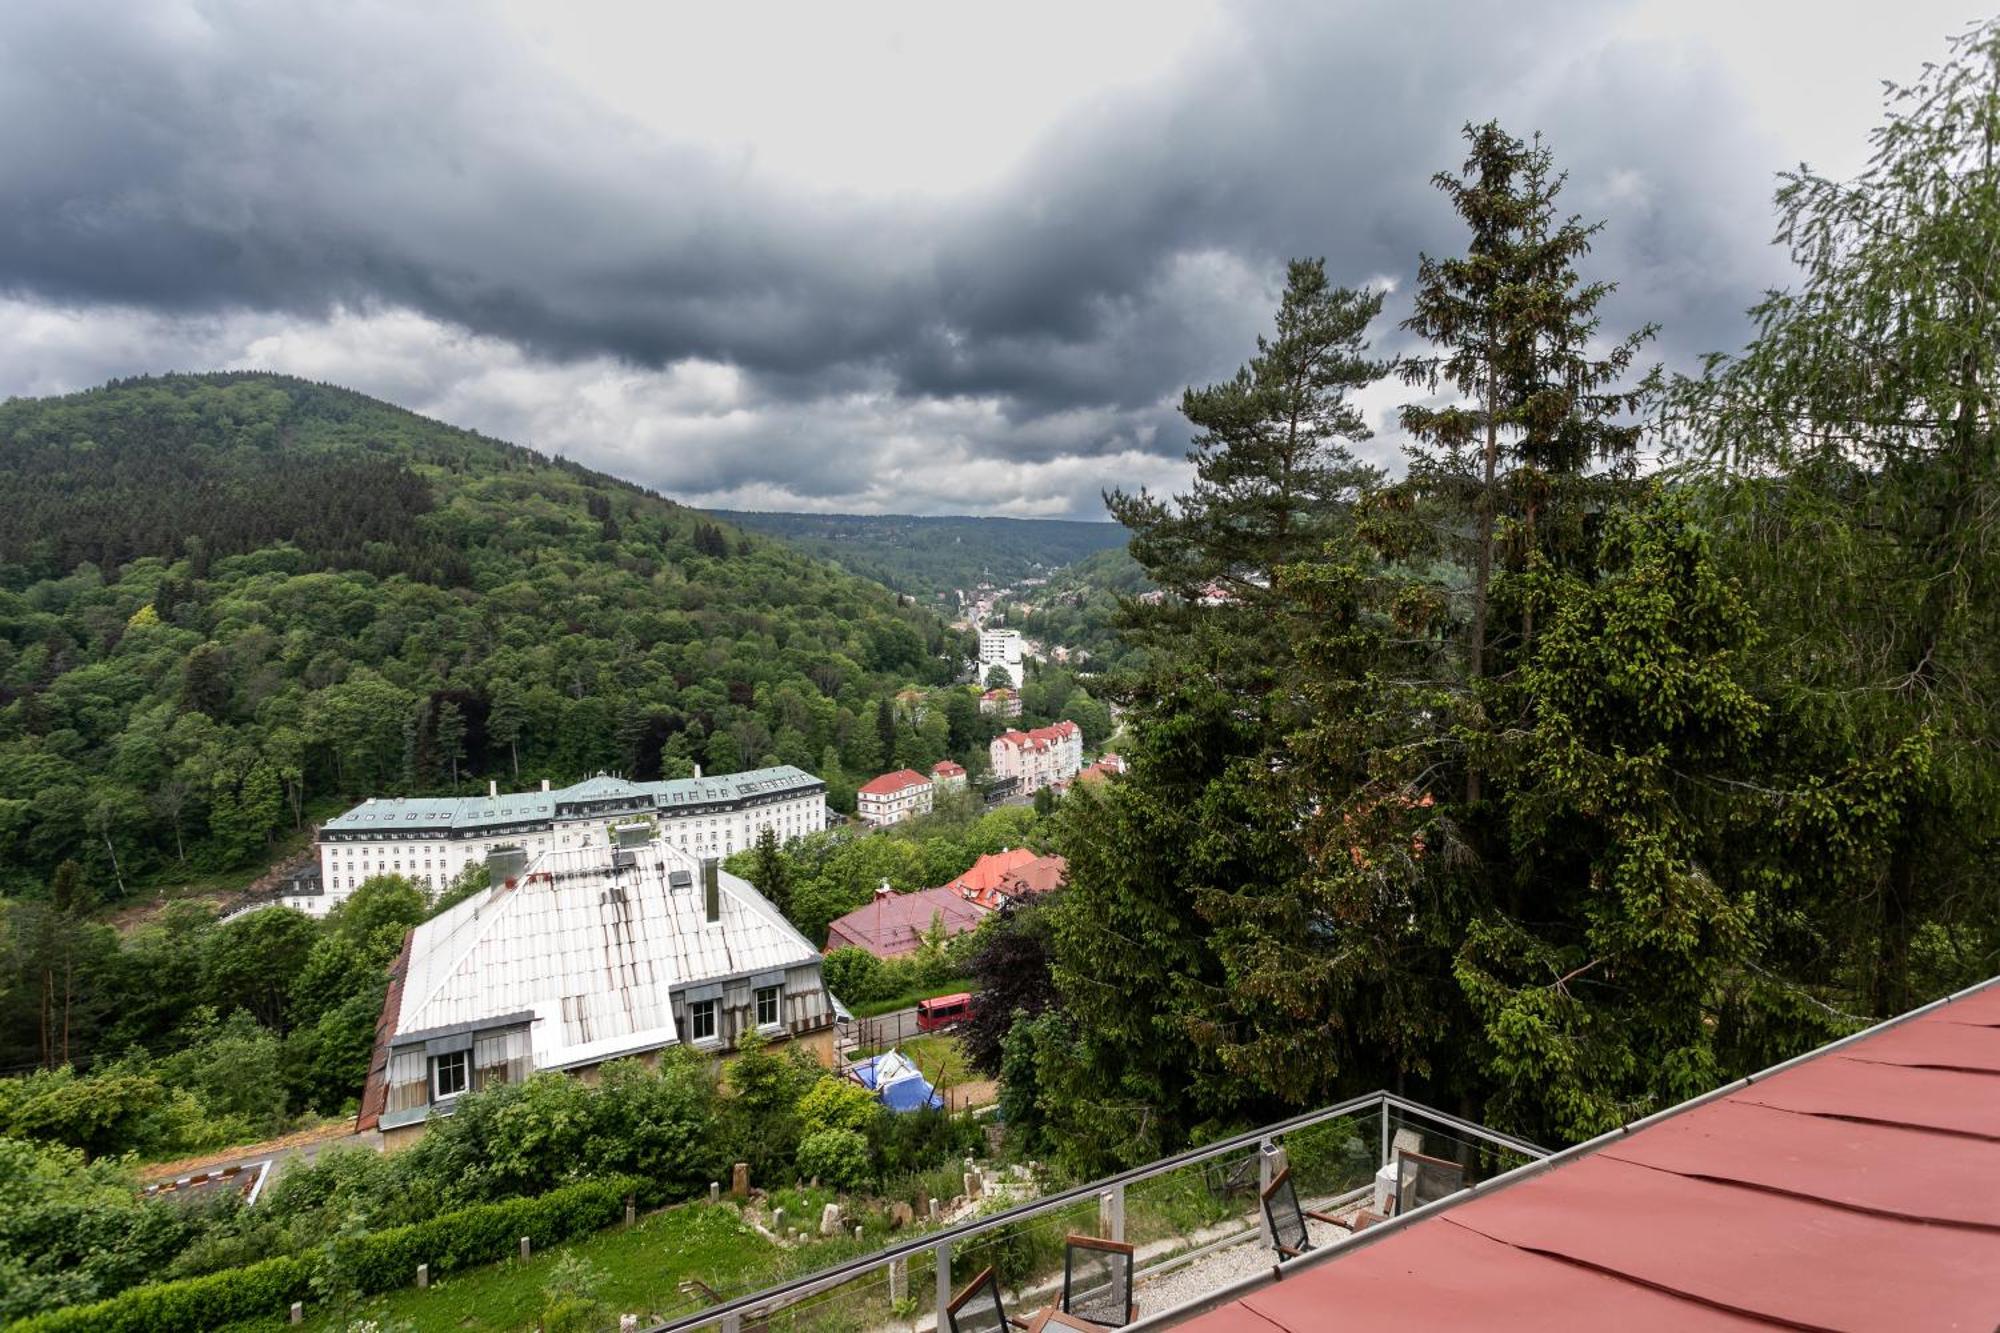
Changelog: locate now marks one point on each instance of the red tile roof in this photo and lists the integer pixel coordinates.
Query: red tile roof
(1856, 1189)
(891, 783)
(896, 923)
(945, 768)
(1015, 873)
(1039, 737)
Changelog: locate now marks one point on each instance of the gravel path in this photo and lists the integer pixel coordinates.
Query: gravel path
(1212, 1272)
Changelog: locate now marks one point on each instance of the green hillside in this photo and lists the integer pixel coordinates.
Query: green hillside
(229, 600)
(928, 557)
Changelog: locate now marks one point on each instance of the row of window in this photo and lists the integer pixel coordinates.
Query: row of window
(702, 1013)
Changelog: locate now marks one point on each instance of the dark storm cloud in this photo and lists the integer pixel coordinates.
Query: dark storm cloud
(296, 160)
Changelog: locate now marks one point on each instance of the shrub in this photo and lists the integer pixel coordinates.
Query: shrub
(836, 1103)
(188, 1306)
(838, 1157)
(476, 1235)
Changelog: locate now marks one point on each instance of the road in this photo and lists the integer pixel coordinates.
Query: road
(280, 1153)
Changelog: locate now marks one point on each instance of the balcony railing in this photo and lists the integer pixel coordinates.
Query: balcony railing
(1194, 1219)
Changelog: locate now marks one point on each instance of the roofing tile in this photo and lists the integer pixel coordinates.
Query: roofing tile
(1856, 1189)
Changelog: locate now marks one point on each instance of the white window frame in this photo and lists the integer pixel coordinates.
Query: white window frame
(699, 1010)
(462, 1061)
(777, 1018)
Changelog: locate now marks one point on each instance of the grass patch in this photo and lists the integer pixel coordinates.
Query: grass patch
(876, 1008)
(938, 1054)
(643, 1268)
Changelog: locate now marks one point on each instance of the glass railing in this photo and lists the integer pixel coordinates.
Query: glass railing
(1194, 1220)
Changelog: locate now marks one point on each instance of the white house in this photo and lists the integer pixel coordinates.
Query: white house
(580, 955)
(948, 776)
(894, 797)
(1039, 758)
(431, 840)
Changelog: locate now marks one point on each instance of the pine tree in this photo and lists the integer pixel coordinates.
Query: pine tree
(1274, 477)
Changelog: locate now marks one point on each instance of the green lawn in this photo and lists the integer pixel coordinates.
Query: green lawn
(932, 1053)
(643, 1268)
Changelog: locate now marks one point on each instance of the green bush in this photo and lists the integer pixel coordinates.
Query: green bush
(188, 1306)
(839, 1157)
(476, 1235)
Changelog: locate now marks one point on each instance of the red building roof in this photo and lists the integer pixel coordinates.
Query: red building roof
(1015, 873)
(1040, 737)
(1858, 1188)
(896, 923)
(891, 783)
(945, 768)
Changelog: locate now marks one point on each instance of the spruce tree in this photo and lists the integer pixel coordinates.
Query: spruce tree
(1513, 325)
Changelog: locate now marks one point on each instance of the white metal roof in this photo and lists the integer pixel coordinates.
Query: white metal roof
(591, 950)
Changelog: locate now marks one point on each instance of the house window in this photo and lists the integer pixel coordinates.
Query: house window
(701, 1020)
(450, 1074)
(767, 1006)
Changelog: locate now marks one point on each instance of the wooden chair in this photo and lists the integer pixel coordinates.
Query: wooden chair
(979, 1309)
(1287, 1219)
(1421, 1180)
(1097, 1281)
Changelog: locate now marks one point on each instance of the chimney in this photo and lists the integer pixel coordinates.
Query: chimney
(711, 890)
(697, 770)
(545, 784)
(492, 788)
(883, 890)
(504, 865)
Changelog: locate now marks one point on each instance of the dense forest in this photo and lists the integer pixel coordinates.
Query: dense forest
(1536, 784)
(1079, 608)
(229, 601)
(931, 557)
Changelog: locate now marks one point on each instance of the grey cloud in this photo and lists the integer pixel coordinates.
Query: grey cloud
(304, 159)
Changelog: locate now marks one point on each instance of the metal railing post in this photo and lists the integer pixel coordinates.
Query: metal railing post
(1383, 1160)
(943, 1253)
(1111, 1213)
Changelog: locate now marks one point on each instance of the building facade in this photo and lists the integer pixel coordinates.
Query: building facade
(432, 840)
(1039, 758)
(1000, 702)
(583, 955)
(893, 798)
(1001, 648)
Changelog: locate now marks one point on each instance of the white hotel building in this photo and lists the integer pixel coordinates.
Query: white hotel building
(430, 840)
(1001, 648)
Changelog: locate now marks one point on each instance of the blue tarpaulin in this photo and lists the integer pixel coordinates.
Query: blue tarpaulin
(896, 1081)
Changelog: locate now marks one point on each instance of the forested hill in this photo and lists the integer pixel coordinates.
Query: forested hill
(229, 600)
(928, 557)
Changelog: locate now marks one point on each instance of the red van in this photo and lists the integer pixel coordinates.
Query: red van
(943, 1012)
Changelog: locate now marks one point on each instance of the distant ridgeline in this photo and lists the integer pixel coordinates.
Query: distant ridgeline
(928, 557)
(227, 601)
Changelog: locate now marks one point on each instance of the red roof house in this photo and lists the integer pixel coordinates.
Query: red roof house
(1011, 874)
(895, 924)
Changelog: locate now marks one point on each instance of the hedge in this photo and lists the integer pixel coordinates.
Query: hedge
(370, 1264)
(477, 1235)
(186, 1306)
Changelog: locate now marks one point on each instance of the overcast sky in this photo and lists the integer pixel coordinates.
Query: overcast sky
(868, 257)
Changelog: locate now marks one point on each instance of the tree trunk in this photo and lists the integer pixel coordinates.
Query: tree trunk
(1476, 665)
(116, 873)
